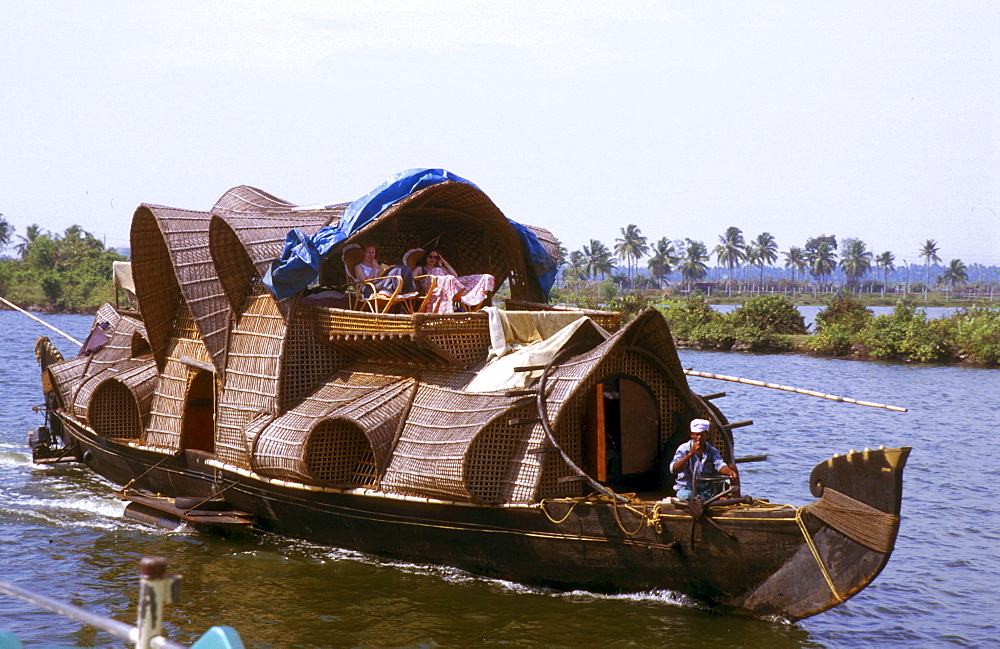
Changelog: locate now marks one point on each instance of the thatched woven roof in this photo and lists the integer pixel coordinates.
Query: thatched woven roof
(248, 233)
(171, 261)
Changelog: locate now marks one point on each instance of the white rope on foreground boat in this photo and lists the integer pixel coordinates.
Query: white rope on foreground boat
(788, 388)
(40, 321)
(156, 588)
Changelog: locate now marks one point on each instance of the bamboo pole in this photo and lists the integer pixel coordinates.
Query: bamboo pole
(40, 321)
(788, 388)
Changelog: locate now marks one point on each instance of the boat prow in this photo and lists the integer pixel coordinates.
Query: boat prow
(849, 534)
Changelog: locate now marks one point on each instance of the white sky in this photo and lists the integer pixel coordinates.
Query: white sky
(860, 119)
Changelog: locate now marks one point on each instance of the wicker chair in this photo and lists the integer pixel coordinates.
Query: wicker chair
(377, 300)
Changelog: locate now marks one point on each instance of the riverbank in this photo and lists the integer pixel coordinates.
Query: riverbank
(843, 328)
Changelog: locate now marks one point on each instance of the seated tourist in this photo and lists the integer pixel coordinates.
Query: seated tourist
(469, 290)
(369, 269)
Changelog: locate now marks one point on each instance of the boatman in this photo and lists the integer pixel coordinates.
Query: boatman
(696, 459)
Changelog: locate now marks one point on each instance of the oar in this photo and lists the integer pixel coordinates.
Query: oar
(788, 388)
(40, 321)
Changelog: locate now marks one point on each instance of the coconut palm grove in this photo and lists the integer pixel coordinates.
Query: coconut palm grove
(684, 278)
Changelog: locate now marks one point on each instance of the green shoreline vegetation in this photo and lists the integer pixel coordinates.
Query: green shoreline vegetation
(71, 273)
(57, 273)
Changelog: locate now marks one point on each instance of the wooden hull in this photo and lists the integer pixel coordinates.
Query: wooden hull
(748, 559)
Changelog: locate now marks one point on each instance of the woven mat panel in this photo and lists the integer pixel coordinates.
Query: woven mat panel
(307, 361)
(374, 403)
(429, 459)
(66, 376)
(166, 416)
(251, 382)
(118, 347)
(498, 467)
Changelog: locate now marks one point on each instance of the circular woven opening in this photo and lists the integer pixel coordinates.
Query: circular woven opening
(339, 453)
(113, 411)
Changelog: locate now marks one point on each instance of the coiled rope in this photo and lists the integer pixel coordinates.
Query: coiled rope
(869, 526)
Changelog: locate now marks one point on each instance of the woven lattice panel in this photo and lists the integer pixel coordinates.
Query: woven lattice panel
(308, 361)
(375, 403)
(430, 458)
(138, 377)
(171, 263)
(338, 453)
(114, 413)
(250, 387)
(498, 467)
(166, 416)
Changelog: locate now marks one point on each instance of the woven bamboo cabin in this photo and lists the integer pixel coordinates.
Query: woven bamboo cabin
(496, 440)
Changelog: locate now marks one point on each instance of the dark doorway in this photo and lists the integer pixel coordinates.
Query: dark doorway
(199, 413)
(621, 444)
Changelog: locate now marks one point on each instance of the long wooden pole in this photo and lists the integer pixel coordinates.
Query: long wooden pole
(788, 388)
(40, 321)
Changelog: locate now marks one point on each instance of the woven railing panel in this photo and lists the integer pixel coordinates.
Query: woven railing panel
(166, 416)
(610, 321)
(461, 339)
(371, 402)
(429, 459)
(250, 387)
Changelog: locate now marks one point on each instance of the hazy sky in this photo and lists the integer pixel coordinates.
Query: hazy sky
(860, 119)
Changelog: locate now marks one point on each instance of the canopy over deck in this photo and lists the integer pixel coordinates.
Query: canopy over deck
(421, 208)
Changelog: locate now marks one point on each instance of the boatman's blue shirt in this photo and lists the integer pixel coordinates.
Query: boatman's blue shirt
(696, 465)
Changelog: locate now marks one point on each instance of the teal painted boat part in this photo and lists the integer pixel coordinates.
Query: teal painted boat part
(219, 637)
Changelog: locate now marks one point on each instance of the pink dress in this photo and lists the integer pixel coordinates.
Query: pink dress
(473, 289)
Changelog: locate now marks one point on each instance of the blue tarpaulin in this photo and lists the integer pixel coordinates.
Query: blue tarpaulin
(301, 257)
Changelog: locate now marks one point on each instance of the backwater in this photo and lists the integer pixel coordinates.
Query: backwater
(62, 532)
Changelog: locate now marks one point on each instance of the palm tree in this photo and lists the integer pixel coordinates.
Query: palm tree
(885, 262)
(730, 251)
(822, 260)
(795, 259)
(31, 233)
(929, 253)
(598, 259)
(661, 263)
(765, 252)
(576, 269)
(955, 274)
(6, 232)
(693, 267)
(631, 247)
(855, 260)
